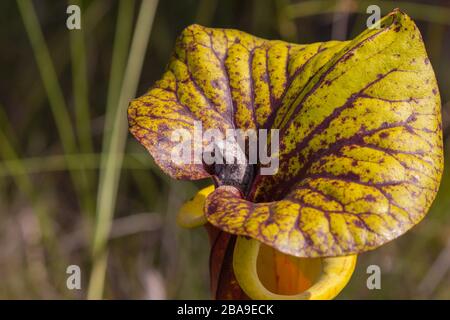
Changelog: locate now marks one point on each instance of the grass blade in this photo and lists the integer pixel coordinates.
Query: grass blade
(55, 96)
(114, 151)
(80, 87)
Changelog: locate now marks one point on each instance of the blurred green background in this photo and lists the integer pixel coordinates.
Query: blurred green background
(66, 196)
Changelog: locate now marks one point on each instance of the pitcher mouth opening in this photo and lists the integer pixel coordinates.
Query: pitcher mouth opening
(266, 273)
(284, 274)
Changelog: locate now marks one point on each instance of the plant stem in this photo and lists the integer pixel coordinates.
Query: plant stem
(114, 151)
(118, 63)
(80, 87)
(81, 103)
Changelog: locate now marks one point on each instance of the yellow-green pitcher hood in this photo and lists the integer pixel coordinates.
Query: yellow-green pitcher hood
(360, 155)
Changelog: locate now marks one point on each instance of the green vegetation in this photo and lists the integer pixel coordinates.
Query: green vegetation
(76, 188)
